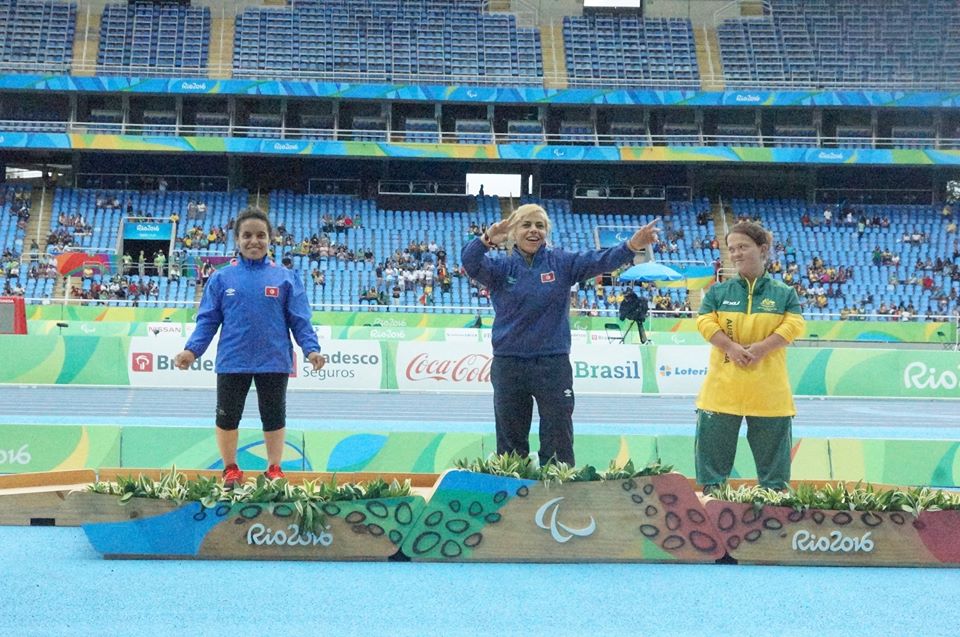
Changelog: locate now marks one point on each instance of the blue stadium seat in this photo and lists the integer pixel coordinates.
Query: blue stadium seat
(148, 39)
(412, 40)
(36, 36)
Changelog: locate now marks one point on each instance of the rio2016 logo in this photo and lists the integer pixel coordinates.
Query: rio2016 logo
(918, 375)
(15, 456)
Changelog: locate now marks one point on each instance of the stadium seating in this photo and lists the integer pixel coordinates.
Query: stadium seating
(30, 124)
(159, 122)
(14, 271)
(795, 136)
(263, 125)
(474, 131)
(182, 291)
(630, 51)
(36, 35)
(212, 124)
(628, 134)
(147, 38)
(381, 232)
(399, 40)
(106, 121)
(912, 137)
(682, 134)
(369, 129)
(824, 43)
(421, 131)
(10, 235)
(854, 137)
(578, 132)
(736, 135)
(315, 127)
(840, 246)
(105, 221)
(524, 132)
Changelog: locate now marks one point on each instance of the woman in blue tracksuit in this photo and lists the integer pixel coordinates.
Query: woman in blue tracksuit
(530, 290)
(255, 305)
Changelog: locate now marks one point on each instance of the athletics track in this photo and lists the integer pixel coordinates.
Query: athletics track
(53, 583)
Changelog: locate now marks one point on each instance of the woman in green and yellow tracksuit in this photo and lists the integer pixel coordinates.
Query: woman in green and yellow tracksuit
(749, 320)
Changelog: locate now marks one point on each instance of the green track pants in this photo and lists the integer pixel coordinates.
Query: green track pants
(716, 446)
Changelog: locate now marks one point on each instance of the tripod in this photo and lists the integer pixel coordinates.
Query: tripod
(639, 325)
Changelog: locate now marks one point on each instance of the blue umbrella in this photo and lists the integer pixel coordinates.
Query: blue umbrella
(650, 271)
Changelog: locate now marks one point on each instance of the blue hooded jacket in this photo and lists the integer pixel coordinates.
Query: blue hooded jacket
(532, 302)
(256, 305)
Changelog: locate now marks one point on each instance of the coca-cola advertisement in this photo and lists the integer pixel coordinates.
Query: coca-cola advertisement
(439, 366)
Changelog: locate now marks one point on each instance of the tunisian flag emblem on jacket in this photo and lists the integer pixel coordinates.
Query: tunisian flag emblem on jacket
(548, 277)
(271, 290)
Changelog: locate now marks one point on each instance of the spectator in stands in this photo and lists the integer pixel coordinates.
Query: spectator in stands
(748, 353)
(206, 271)
(255, 307)
(529, 287)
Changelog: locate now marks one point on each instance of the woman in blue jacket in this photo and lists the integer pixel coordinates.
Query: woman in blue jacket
(255, 305)
(530, 290)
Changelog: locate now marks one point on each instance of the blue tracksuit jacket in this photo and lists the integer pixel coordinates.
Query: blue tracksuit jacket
(532, 302)
(256, 305)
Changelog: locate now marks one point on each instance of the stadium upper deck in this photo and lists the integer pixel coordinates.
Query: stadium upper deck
(792, 44)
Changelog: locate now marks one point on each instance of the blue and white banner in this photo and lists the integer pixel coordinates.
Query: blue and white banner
(148, 230)
(480, 94)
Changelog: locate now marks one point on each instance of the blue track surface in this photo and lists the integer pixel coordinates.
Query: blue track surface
(53, 583)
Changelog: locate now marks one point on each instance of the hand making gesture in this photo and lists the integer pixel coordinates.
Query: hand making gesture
(644, 236)
(497, 233)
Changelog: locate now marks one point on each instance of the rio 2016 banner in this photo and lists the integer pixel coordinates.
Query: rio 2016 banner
(464, 366)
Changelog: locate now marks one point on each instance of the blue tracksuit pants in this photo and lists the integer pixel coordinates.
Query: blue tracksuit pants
(517, 382)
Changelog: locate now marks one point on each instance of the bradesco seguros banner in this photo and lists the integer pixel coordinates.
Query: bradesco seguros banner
(465, 367)
(350, 365)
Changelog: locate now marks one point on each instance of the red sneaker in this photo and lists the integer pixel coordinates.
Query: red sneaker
(274, 472)
(232, 476)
